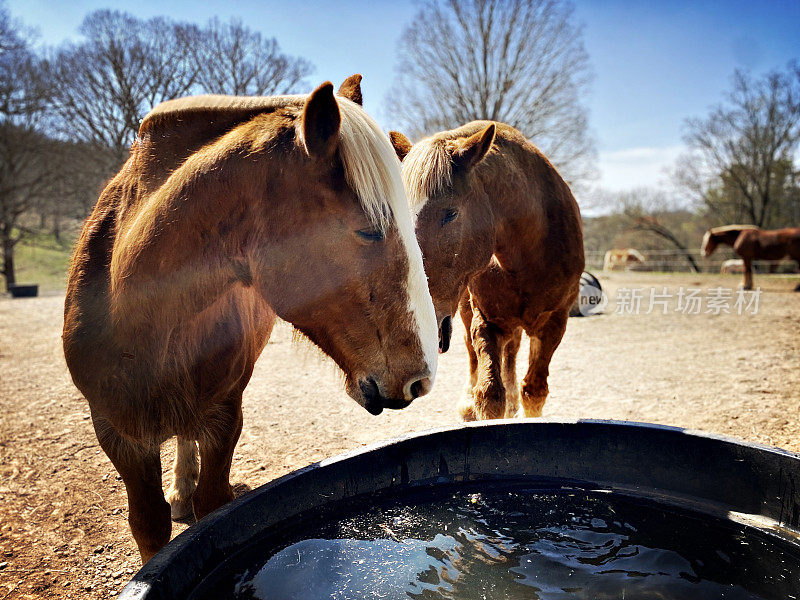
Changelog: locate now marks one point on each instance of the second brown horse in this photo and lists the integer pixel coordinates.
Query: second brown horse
(752, 243)
(501, 239)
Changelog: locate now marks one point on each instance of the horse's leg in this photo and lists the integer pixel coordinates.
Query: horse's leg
(140, 468)
(795, 255)
(544, 342)
(510, 373)
(465, 310)
(748, 273)
(489, 394)
(185, 471)
(217, 444)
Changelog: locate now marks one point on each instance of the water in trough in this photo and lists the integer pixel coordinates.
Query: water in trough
(514, 542)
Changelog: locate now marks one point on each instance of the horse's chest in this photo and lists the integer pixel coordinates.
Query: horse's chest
(498, 294)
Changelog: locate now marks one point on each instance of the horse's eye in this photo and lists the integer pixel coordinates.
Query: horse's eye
(371, 235)
(449, 215)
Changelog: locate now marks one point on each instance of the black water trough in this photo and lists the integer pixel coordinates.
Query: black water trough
(685, 486)
(24, 290)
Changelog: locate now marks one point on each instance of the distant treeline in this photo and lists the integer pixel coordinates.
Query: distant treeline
(69, 114)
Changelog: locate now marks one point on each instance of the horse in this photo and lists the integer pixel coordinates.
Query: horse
(229, 213)
(753, 243)
(732, 266)
(623, 259)
(502, 244)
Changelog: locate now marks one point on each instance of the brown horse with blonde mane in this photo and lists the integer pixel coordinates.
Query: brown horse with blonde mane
(752, 243)
(228, 213)
(502, 243)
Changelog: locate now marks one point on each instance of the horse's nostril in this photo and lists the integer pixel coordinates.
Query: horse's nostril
(372, 396)
(418, 388)
(445, 333)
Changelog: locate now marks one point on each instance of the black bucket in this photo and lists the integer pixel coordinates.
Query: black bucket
(753, 487)
(590, 300)
(27, 290)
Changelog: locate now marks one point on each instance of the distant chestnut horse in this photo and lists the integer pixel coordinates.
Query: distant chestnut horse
(752, 243)
(502, 242)
(622, 259)
(228, 213)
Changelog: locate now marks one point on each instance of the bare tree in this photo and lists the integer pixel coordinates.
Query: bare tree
(231, 58)
(24, 168)
(71, 191)
(741, 161)
(656, 213)
(521, 62)
(106, 84)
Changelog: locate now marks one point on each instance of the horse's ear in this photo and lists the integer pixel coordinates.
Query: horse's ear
(321, 121)
(351, 89)
(401, 144)
(474, 148)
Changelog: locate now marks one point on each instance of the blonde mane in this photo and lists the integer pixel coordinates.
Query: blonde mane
(715, 231)
(726, 228)
(635, 253)
(371, 167)
(427, 170)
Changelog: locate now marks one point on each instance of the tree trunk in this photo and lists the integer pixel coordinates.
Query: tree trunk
(8, 262)
(652, 225)
(57, 226)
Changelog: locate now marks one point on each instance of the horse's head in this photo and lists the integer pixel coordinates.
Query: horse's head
(709, 244)
(454, 227)
(345, 268)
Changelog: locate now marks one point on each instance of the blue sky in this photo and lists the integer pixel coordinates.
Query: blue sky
(655, 63)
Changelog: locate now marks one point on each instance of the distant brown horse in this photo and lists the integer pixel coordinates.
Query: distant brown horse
(502, 242)
(622, 259)
(752, 243)
(228, 213)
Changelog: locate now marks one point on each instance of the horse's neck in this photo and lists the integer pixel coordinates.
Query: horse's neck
(176, 253)
(521, 212)
(729, 238)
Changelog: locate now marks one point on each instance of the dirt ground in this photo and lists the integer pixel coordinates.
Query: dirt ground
(63, 512)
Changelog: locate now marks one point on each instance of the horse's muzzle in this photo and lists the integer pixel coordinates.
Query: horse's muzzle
(375, 402)
(445, 333)
(372, 396)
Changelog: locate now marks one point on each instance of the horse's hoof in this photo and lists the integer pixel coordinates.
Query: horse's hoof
(532, 405)
(181, 510)
(467, 413)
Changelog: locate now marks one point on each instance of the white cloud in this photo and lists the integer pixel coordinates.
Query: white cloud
(637, 167)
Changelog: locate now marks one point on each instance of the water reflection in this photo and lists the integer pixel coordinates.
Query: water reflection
(522, 545)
